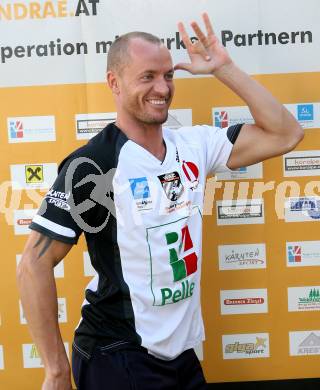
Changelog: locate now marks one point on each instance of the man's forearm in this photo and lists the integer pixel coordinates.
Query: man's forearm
(267, 112)
(39, 300)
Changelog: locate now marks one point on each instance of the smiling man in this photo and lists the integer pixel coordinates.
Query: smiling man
(136, 191)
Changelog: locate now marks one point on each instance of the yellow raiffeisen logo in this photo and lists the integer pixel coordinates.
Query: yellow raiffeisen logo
(47, 9)
(34, 173)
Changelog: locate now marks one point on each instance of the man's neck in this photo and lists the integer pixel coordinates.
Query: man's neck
(146, 135)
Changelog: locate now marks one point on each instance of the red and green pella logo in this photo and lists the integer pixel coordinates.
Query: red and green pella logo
(174, 260)
(185, 265)
(184, 262)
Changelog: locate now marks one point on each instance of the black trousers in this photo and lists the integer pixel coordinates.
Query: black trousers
(135, 369)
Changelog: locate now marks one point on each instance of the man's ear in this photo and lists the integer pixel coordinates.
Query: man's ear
(112, 80)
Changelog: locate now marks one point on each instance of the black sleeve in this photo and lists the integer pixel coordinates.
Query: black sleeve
(233, 132)
(79, 200)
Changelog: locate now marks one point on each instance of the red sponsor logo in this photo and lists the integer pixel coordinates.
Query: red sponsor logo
(19, 128)
(244, 301)
(24, 221)
(191, 172)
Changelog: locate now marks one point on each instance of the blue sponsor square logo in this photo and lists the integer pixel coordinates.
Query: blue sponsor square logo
(140, 188)
(305, 112)
(242, 170)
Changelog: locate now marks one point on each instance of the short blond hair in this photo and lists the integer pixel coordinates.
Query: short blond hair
(118, 54)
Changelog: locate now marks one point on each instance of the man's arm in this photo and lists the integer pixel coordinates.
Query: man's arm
(275, 130)
(39, 300)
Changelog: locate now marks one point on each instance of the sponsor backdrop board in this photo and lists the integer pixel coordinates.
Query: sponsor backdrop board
(260, 287)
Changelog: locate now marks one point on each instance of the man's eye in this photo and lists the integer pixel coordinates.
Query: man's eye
(169, 76)
(147, 77)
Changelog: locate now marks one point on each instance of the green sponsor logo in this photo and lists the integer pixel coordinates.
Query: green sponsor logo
(187, 265)
(314, 296)
(184, 291)
(173, 259)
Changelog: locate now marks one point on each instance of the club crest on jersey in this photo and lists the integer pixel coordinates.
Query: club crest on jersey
(171, 184)
(191, 172)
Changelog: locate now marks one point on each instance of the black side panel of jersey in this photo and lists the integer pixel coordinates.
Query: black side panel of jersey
(87, 175)
(108, 317)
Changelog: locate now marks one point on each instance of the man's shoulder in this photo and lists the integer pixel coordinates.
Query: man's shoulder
(194, 133)
(102, 149)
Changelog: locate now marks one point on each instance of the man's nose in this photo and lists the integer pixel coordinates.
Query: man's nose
(161, 87)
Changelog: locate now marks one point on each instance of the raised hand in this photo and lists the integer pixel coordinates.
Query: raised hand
(207, 55)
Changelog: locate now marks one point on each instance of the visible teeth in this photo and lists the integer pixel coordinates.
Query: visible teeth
(157, 101)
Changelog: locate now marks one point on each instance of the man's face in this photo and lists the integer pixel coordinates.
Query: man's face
(146, 83)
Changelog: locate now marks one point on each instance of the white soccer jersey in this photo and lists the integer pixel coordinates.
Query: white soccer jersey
(143, 225)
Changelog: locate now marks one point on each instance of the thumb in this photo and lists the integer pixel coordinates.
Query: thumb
(184, 66)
